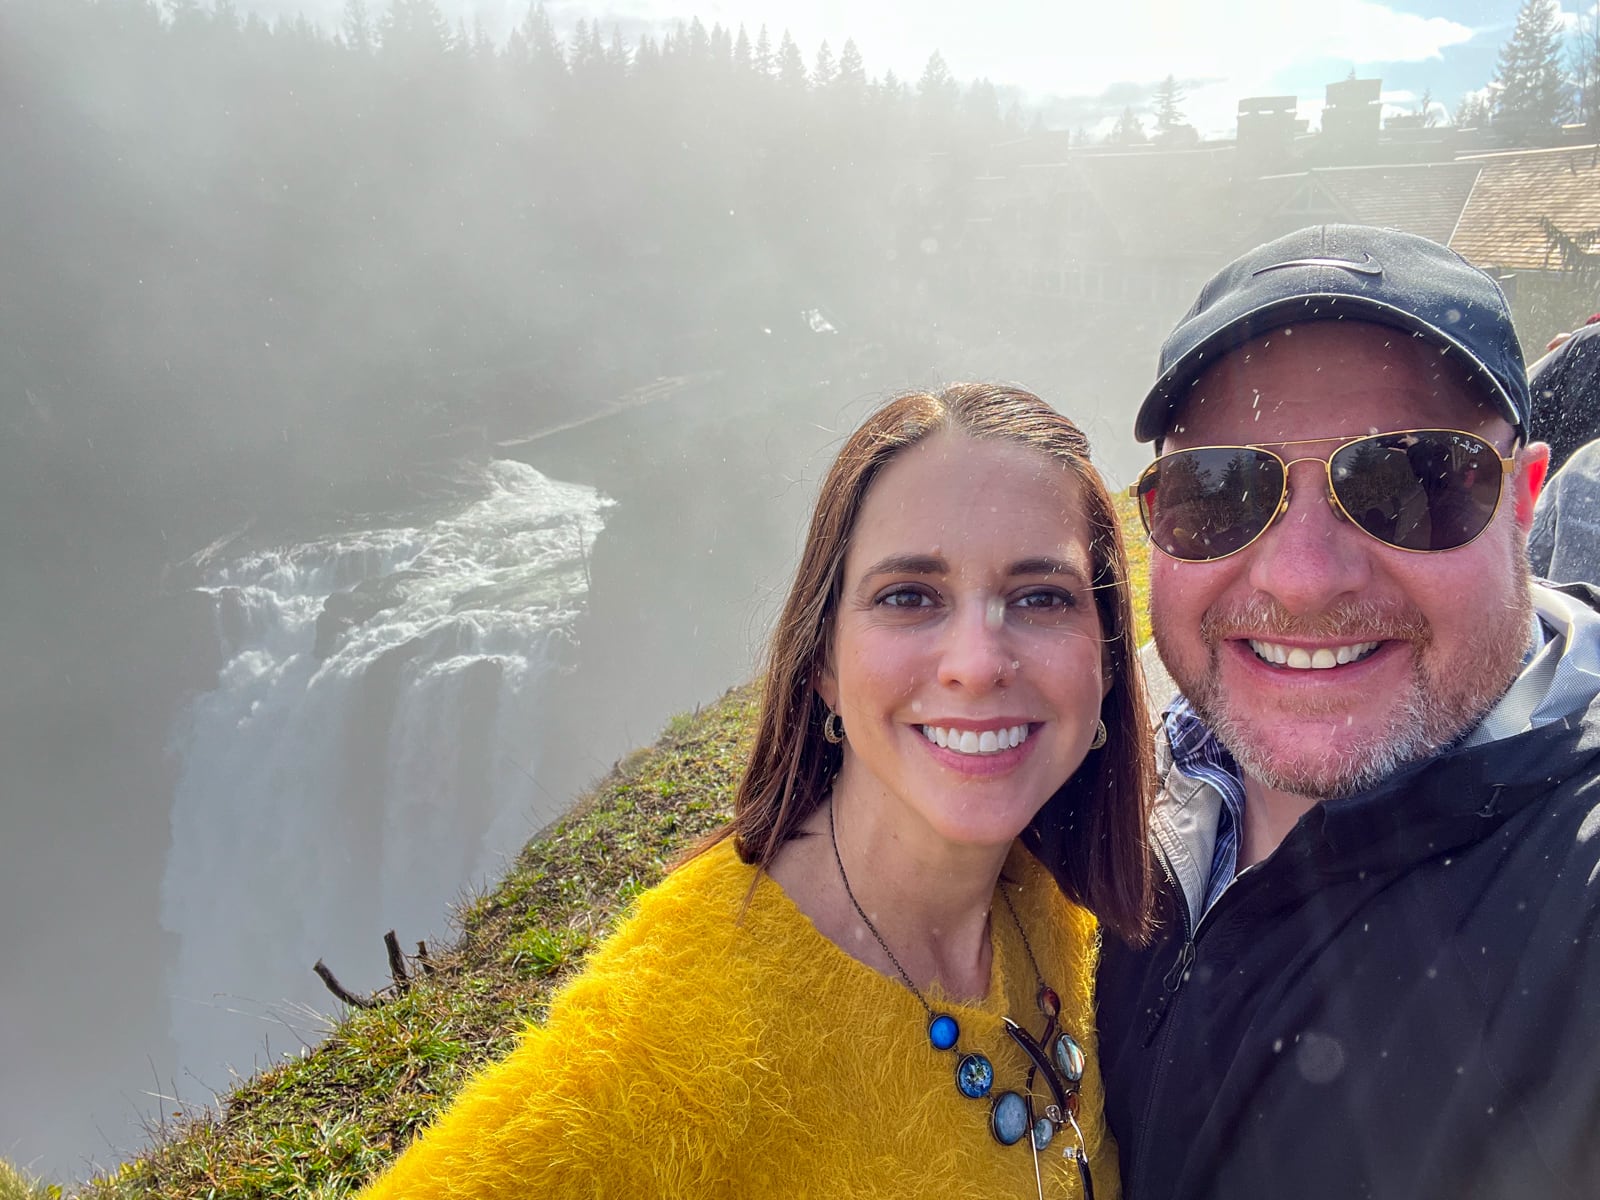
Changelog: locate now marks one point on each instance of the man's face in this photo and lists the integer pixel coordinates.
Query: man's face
(1432, 640)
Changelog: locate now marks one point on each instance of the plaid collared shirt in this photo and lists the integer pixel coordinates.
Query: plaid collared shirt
(1197, 753)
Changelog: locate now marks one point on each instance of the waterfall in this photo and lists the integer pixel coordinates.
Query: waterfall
(366, 755)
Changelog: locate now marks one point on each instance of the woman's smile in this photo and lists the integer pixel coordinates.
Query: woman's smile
(966, 659)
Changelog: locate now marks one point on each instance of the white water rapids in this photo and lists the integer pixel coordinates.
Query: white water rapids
(341, 781)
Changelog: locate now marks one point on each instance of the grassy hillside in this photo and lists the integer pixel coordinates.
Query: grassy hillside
(318, 1125)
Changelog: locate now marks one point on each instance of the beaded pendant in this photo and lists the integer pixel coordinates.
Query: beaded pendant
(1011, 1116)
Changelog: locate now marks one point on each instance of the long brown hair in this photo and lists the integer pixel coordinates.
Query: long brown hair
(1091, 833)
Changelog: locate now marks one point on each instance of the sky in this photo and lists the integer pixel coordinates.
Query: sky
(1106, 53)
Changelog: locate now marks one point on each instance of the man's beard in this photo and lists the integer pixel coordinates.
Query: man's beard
(1443, 701)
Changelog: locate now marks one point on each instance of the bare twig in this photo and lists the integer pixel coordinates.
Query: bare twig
(422, 957)
(339, 990)
(397, 963)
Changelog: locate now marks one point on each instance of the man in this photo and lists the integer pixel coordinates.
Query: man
(1565, 385)
(1565, 541)
(1376, 972)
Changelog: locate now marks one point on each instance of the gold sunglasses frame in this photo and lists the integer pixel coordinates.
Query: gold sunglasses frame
(1508, 466)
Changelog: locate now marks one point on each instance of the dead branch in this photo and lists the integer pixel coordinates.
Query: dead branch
(397, 963)
(339, 990)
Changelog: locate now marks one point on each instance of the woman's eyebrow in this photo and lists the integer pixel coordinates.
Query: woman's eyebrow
(908, 564)
(933, 564)
(1045, 565)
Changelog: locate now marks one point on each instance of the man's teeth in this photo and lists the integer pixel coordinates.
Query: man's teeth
(970, 741)
(1299, 659)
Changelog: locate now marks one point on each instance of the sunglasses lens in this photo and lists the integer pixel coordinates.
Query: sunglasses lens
(1207, 503)
(1428, 489)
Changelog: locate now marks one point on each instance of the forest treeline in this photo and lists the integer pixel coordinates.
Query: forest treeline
(242, 257)
(236, 252)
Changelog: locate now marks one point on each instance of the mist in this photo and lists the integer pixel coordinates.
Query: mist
(395, 431)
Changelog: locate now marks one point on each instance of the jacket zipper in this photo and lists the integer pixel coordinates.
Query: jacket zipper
(1171, 982)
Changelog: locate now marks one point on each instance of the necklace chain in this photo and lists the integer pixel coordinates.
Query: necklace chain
(905, 978)
(1064, 1111)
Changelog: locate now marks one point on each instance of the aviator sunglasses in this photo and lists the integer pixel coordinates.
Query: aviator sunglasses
(1422, 490)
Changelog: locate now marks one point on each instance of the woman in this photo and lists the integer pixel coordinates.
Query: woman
(868, 985)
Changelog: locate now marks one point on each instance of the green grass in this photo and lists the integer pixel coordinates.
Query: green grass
(17, 1185)
(318, 1125)
(1138, 564)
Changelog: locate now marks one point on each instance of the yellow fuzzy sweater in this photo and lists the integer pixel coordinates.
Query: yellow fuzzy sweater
(707, 1054)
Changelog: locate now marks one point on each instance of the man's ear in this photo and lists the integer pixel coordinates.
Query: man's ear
(1527, 481)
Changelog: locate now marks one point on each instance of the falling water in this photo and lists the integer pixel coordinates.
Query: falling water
(363, 759)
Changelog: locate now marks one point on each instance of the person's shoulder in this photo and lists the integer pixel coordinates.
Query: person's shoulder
(1583, 466)
(698, 903)
(1583, 343)
(1070, 933)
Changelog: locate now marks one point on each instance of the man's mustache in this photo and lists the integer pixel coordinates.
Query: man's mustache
(1266, 619)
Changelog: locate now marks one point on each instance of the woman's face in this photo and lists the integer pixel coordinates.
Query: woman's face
(966, 658)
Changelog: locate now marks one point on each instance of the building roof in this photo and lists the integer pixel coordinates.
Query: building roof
(1520, 196)
(1420, 198)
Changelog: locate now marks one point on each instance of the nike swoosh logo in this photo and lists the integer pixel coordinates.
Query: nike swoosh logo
(1365, 267)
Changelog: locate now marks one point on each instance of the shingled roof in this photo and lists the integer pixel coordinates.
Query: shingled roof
(1422, 198)
(1519, 196)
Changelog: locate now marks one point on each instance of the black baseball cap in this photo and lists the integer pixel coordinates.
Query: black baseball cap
(1353, 272)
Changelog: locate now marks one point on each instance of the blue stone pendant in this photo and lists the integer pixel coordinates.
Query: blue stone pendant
(1069, 1058)
(974, 1076)
(1008, 1120)
(1043, 1131)
(943, 1031)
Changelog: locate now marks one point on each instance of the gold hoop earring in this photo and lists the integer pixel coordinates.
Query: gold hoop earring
(833, 727)
(1100, 735)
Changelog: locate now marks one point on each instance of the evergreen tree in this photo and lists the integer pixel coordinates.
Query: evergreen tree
(413, 30)
(1169, 95)
(1128, 131)
(646, 56)
(1586, 66)
(355, 27)
(482, 45)
(741, 50)
(1531, 97)
(544, 48)
(699, 41)
(852, 71)
(982, 107)
(762, 61)
(825, 72)
(791, 67)
(1472, 112)
(937, 90)
(588, 53)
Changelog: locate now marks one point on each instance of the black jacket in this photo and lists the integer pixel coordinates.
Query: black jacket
(1402, 1001)
(1565, 387)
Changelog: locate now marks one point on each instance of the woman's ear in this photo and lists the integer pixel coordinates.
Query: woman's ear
(826, 685)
